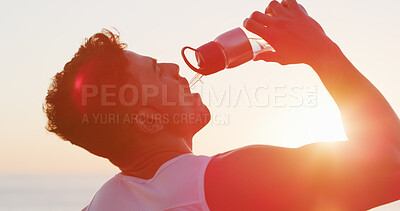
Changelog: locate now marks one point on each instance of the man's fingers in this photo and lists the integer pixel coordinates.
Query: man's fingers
(268, 56)
(284, 4)
(255, 27)
(275, 8)
(303, 9)
(292, 4)
(262, 18)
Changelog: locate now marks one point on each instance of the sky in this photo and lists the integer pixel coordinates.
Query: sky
(39, 37)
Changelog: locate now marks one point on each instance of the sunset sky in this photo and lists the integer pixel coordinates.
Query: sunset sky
(39, 37)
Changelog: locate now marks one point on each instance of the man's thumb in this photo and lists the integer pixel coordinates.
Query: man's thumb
(268, 56)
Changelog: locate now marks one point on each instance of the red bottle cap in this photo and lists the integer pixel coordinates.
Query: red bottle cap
(210, 58)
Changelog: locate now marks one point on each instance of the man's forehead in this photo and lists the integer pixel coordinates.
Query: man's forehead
(138, 61)
(132, 54)
(137, 57)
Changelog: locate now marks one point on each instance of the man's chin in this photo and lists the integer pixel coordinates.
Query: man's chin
(189, 124)
(206, 118)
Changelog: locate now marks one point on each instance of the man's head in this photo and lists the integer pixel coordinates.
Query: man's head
(109, 100)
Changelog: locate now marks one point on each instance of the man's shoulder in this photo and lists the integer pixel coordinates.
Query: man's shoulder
(243, 177)
(108, 192)
(243, 154)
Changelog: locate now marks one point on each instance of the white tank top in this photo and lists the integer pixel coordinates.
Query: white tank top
(178, 185)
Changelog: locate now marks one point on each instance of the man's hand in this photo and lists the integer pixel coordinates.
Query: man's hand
(359, 174)
(295, 36)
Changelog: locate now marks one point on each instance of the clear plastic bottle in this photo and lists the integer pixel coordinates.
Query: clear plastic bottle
(257, 43)
(228, 50)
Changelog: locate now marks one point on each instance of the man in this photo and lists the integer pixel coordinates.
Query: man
(154, 151)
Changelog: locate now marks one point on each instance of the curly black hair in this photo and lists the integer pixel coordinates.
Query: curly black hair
(100, 60)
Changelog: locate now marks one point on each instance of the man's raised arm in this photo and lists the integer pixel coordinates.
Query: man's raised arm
(359, 174)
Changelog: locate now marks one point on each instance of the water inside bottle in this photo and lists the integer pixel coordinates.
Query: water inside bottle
(194, 81)
(196, 78)
(259, 45)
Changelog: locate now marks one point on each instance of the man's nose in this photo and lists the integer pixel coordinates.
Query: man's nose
(170, 69)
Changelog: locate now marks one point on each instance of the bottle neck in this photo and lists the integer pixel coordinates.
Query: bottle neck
(236, 47)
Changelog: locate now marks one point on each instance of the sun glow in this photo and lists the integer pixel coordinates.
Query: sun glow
(304, 127)
(326, 127)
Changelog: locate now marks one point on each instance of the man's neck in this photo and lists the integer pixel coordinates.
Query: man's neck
(148, 159)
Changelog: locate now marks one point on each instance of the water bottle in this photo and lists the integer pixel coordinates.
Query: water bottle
(228, 50)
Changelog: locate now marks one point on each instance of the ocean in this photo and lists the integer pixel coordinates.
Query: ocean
(48, 192)
(58, 192)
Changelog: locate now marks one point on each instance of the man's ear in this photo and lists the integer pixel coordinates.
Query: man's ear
(148, 121)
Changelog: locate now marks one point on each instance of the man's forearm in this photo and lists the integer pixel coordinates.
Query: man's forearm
(297, 38)
(365, 112)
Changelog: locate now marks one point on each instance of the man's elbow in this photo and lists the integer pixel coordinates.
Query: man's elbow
(397, 158)
(391, 158)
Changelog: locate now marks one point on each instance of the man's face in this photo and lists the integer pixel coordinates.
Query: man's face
(162, 89)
